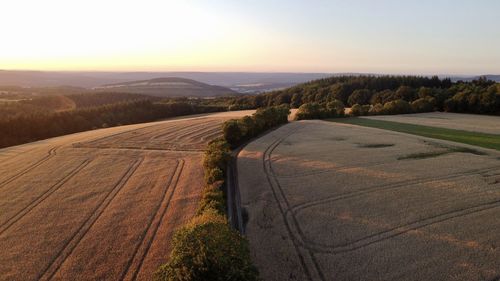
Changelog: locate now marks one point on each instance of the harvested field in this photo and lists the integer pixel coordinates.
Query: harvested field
(467, 122)
(331, 201)
(101, 205)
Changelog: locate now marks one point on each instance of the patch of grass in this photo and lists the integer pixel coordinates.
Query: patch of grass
(449, 149)
(473, 138)
(375, 145)
(467, 150)
(424, 155)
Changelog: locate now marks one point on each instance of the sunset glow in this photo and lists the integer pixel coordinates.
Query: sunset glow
(328, 36)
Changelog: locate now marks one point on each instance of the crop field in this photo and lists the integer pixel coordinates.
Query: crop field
(467, 122)
(101, 205)
(333, 201)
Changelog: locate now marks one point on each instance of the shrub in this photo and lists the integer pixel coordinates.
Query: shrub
(237, 131)
(213, 175)
(213, 198)
(248, 123)
(376, 109)
(335, 108)
(314, 110)
(360, 110)
(217, 155)
(423, 105)
(397, 107)
(208, 249)
(232, 131)
(308, 111)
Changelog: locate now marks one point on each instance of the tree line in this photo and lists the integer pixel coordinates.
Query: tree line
(427, 93)
(41, 125)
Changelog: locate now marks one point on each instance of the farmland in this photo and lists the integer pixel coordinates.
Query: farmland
(101, 205)
(333, 201)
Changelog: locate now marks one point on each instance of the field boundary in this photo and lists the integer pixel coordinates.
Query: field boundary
(486, 141)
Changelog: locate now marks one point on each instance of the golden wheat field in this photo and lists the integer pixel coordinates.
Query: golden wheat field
(329, 201)
(101, 205)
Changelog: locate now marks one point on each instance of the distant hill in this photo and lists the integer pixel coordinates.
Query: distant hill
(248, 82)
(244, 82)
(168, 87)
(495, 78)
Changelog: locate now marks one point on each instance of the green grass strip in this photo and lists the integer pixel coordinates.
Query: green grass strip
(473, 138)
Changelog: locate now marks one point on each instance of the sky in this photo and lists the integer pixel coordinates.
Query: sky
(382, 36)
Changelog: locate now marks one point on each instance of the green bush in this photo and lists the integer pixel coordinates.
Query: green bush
(208, 249)
(360, 110)
(249, 127)
(213, 198)
(315, 110)
(397, 107)
(213, 175)
(308, 111)
(233, 131)
(217, 155)
(426, 104)
(237, 131)
(335, 108)
(377, 109)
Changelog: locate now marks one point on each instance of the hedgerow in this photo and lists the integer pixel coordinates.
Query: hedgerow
(208, 248)
(237, 131)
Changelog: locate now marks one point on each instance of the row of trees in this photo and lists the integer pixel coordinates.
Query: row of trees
(29, 105)
(237, 131)
(31, 127)
(207, 248)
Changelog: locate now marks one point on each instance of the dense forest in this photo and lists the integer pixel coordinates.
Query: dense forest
(28, 105)
(480, 96)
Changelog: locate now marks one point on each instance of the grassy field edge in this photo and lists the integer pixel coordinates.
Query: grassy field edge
(490, 141)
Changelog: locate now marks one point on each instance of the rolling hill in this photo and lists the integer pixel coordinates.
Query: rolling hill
(168, 87)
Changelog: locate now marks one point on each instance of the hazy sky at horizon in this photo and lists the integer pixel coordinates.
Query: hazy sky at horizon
(385, 36)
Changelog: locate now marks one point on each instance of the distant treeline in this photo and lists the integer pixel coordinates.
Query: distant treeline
(41, 125)
(28, 105)
(431, 93)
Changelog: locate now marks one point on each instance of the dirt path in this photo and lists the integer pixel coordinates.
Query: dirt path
(335, 202)
(101, 205)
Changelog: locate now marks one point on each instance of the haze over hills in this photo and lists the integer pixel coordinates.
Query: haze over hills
(243, 82)
(168, 87)
(247, 82)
